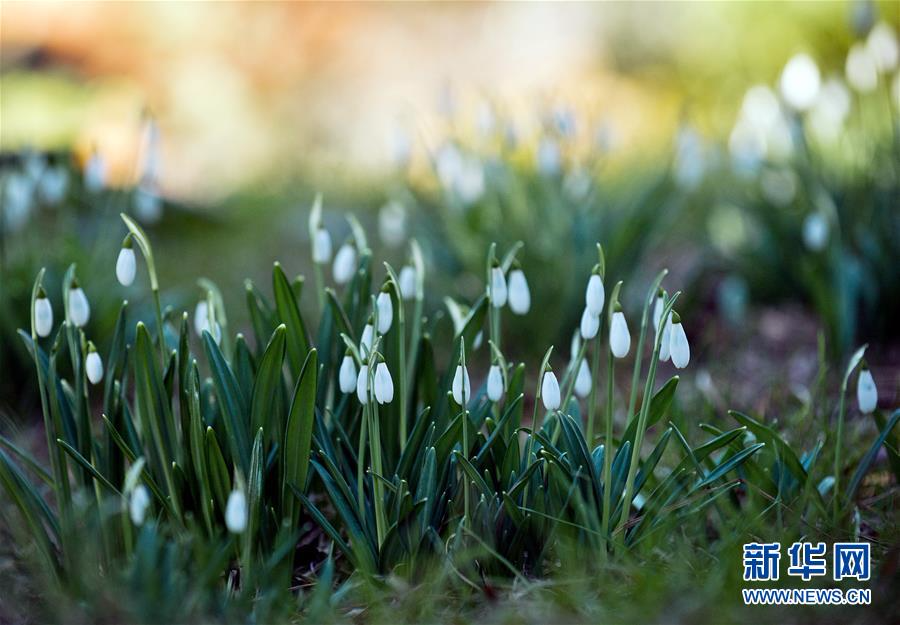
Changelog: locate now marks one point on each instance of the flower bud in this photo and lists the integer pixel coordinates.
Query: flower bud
(362, 385)
(519, 295)
(619, 337)
(590, 324)
(79, 308)
(138, 503)
(866, 391)
(236, 512)
(407, 284)
(43, 314)
(583, 381)
(550, 391)
(462, 388)
(498, 290)
(385, 310)
(384, 385)
(658, 306)
(344, 264)
(678, 343)
(321, 247)
(347, 374)
(125, 264)
(495, 383)
(93, 366)
(595, 295)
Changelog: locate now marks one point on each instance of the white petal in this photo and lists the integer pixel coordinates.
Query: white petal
(678, 346)
(344, 264)
(347, 375)
(583, 381)
(201, 317)
(462, 387)
(519, 295)
(866, 392)
(321, 248)
(665, 341)
(125, 266)
(362, 385)
(495, 383)
(79, 309)
(365, 344)
(590, 325)
(384, 385)
(594, 295)
(658, 306)
(550, 391)
(498, 288)
(236, 512)
(407, 280)
(138, 504)
(93, 366)
(385, 312)
(43, 316)
(619, 337)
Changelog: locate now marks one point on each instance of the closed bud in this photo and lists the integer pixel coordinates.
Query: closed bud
(658, 306)
(462, 388)
(590, 324)
(344, 264)
(368, 336)
(362, 385)
(201, 317)
(79, 308)
(384, 385)
(125, 264)
(595, 295)
(495, 383)
(619, 337)
(43, 314)
(407, 280)
(321, 246)
(236, 512)
(93, 366)
(138, 503)
(583, 381)
(347, 374)
(866, 391)
(519, 295)
(666, 340)
(385, 311)
(550, 391)
(498, 291)
(679, 349)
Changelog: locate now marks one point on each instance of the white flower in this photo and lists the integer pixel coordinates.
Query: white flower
(861, 69)
(321, 246)
(18, 193)
(495, 383)
(462, 388)
(866, 392)
(658, 307)
(407, 279)
(595, 295)
(498, 287)
(344, 264)
(138, 504)
(365, 343)
(53, 184)
(384, 385)
(619, 337)
(95, 172)
(125, 265)
(347, 374)
(678, 344)
(882, 45)
(800, 81)
(79, 308)
(815, 231)
(664, 343)
(93, 366)
(43, 315)
(590, 324)
(362, 385)
(201, 317)
(519, 295)
(385, 312)
(392, 223)
(236, 512)
(550, 391)
(583, 381)
(549, 158)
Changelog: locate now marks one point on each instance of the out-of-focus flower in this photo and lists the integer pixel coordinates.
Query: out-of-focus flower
(800, 82)
(826, 119)
(407, 279)
(138, 503)
(519, 294)
(549, 157)
(779, 186)
(392, 223)
(236, 512)
(53, 184)
(866, 391)
(861, 69)
(18, 193)
(815, 231)
(95, 172)
(690, 158)
(147, 204)
(882, 45)
(494, 383)
(321, 246)
(344, 264)
(498, 291)
(43, 314)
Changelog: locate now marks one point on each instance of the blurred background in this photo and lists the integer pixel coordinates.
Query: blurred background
(752, 148)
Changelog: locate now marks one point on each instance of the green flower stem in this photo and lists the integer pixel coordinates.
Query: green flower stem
(361, 464)
(320, 286)
(375, 450)
(608, 447)
(645, 318)
(592, 398)
(839, 440)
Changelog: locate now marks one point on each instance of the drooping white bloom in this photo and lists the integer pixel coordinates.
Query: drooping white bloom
(665, 341)
(815, 231)
(595, 295)
(619, 336)
(583, 381)
(498, 287)
(347, 374)
(79, 308)
(384, 385)
(800, 81)
(344, 264)
(866, 392)
(407, 279)
(125, 264)
(385, 312)
(201, 317)
(658, 305)
(43, 315)
(93, 365)
(462, 388)
(321, 246)
(590, 324)
(365, 343)
(95, 172)
(861, 69)
(882, 45)
(236, 512)
(495, 383)
(678, 344)
(550, 391)
(138, 504)
(519, 295)
(362, 385)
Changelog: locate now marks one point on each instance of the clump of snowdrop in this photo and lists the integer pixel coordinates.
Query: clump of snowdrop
(138, 504)
(407, 279)
(236, 512)
(79, 308)
(344, 263)
(679, 349)
(43, 314)
(619, 336)
(494, 383)
(384, 385)
(550, 391)
(93, 365)
(347, 374)
(385, 309)
(461, 387)
(497, 290)
(125, 263)
(518, 293)
(583, 381)
(866, 391)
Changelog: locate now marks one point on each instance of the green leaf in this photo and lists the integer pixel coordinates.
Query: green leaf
(298, 433)
(233, 403)
(288, 313)
(267, 387)
(866, 463)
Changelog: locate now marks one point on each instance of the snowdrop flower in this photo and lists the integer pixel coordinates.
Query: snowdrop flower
(498, 290)
(385, 310)
(595, 295)
(494, 383)
(815, 231)
(125, 264)
(384, 385)
(800, 81)
(201, 317)
(619, 337)
(362, 385)
(866, 392)
(678, 343)
(658, 305)
(321, 246)
(462, 389)
(138, 504)
(550, 391)
(344, 263)
(665, 341)
(882, 45)
(79, 308)
(43, 314)
(95, 172)
(583, 382)
(407, 280)
(368, 336)
(519, 295)
(861, 69)
(347, 374)
(236, 512)
(93, 366)
(590, 324)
